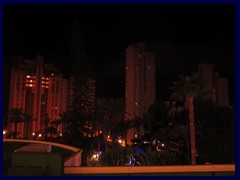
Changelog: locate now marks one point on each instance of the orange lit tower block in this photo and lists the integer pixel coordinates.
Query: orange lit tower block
(140, 82)
(40, 90)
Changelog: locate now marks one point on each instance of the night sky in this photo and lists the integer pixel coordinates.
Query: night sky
(181, 36)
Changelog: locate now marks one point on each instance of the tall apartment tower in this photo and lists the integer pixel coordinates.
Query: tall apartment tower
(208, 76)
(140, 82)
(39, 90)
(214, 88)
(222, 92)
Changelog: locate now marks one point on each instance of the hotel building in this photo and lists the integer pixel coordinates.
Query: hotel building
(214, 87)
(140, 82)
(39, 90)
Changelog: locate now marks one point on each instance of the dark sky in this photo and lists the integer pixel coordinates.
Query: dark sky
(181, 36)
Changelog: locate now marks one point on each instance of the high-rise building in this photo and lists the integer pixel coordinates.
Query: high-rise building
(214, 87)
(222, 92)
(39, 90)
(140, 81)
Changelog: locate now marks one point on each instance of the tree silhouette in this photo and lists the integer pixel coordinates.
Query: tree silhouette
(45, 123)
(81, 106)
(187, 88)
(27, 119)
(122, 127)
(137, 124)
(107, 111)
(16, 117)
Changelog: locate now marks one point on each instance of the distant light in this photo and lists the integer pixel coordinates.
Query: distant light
(135, 135)
(52, 74)
(4, 132)
(30, 85)
(40, 135)
(33, 134)
(28, 76)
(108, 137)
(60, 134)
(100, 132)
(120, 141)
(136, 103)
(94, 156)
(163, 144)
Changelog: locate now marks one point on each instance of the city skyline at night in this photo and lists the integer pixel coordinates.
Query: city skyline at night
(122, 85)
(180, 41)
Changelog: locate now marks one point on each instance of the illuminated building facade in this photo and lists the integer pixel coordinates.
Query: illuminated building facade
(39, 90)
(140, 82)
(214, 87)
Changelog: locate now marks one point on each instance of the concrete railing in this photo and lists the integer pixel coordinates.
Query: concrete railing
(72, 160)
(44, 142)
(156, 170)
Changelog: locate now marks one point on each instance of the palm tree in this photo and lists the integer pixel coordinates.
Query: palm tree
(16, 117)
(108, 110)
(27, 118)
(122, 127)
(187, 88)
(51, 130)
(46, 122)
(137, 124)
(57, 123)
(181, 131)
(65, 121)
